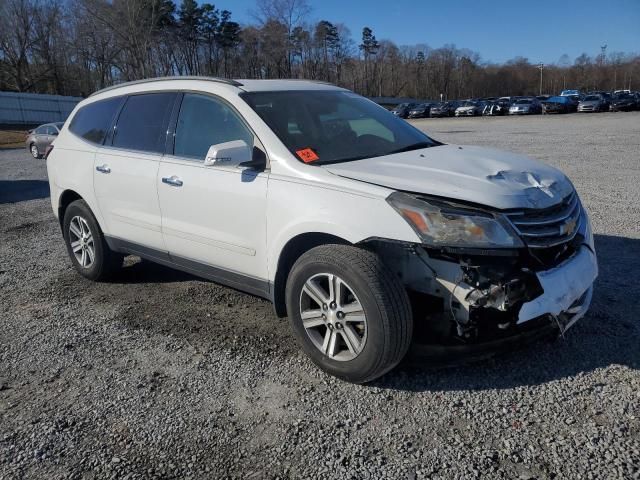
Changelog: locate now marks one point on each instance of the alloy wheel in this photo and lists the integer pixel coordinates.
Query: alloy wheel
(82, 242)
(333, 317)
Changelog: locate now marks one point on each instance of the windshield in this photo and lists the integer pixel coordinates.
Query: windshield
(331, 126)
(523, 102)
(624, 96)
(590, 98)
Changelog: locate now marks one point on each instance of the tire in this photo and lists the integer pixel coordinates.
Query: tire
(95, 260)
(366, 285)
(33, 149)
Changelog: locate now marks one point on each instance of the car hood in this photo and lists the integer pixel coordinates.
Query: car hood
(469, 107)
(589, 102)
(472, 174)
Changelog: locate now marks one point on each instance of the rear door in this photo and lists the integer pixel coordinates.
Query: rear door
(213, 216)
(41, 138)
(52, 133)
(126, 171)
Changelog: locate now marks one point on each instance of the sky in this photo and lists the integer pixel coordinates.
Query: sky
(499, 30)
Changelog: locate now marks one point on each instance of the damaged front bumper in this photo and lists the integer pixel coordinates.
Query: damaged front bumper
(567, 289)
(561, 297)
(468, 306)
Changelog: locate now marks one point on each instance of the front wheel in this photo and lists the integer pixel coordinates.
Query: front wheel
(351, 314)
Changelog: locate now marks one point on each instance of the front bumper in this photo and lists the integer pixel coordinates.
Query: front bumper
(567, 289)
(566, 292)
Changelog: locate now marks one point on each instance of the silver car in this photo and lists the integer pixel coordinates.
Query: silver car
(593, 103)
(40, 138)
(525, 106)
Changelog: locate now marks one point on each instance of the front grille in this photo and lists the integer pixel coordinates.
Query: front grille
(550, 226)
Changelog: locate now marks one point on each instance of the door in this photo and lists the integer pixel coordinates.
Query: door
(41, 138)
(126, 171)
(52, 133)
(213, 217)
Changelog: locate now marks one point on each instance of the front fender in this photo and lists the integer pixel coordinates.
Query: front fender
(298, 208)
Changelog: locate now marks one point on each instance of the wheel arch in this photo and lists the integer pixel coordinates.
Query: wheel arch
(66, 198)
(291, 251)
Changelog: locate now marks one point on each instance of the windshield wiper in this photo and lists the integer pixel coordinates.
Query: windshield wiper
(408, 148)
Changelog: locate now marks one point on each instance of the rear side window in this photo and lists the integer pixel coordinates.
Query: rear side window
(92, 121)
(142, 124)
(206, 121)
(41, 130)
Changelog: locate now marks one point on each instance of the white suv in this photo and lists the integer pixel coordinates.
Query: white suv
(367, 233)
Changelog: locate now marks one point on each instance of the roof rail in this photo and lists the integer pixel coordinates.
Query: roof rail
(228, 81)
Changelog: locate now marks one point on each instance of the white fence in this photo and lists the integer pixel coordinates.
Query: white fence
(32, 109)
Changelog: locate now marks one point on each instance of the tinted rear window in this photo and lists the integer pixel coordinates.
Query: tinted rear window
(142, 124)
(92, 121)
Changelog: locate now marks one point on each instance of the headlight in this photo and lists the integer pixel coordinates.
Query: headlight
(444, 225)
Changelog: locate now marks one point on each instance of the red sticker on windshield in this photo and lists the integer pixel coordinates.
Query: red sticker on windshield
(307, 155)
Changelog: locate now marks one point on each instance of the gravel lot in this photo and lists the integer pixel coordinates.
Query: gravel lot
(159, 374)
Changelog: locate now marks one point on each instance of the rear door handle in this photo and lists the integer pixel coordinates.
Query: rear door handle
(103, 169)
(172, 180)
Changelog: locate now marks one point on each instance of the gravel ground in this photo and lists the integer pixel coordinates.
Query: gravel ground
(159, 374)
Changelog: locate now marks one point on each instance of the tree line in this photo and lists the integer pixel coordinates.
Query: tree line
(75, 47)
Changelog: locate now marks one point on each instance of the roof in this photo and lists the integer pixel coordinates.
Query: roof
(284, 84)
(246, 85)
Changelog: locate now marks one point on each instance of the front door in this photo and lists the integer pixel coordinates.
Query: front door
(213, 217)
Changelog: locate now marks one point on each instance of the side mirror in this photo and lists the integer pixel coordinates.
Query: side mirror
(228, 153)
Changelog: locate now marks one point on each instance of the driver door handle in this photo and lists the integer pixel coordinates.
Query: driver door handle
(103, 168)
(172, 180)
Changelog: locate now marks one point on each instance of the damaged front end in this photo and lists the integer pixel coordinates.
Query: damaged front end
(513, 276)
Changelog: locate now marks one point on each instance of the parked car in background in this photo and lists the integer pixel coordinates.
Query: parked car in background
(422, 110)
(403, 109)
(444, 109)
(561, 104)
(593, 103)
(496, 107)
(356, 225)
(542, 98)
(40, 138)
(525, 106)
(624, 102)
(570, 93)
(469, 108)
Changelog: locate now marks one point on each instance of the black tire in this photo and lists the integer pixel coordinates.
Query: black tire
(389, 323)
(35, 155)
(105, 262)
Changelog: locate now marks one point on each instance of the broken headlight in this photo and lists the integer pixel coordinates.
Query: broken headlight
(441, 224)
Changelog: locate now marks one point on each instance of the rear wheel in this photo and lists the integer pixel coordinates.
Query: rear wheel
(86, 246)
(33, 148)
(350, 313)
